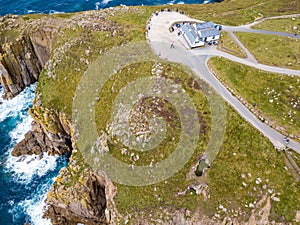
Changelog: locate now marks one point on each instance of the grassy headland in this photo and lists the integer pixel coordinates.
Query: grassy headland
(247, 166)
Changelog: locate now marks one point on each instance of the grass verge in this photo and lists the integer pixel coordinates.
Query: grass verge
(289, 25)
(276, 96)
(273, 50)
(227, 44)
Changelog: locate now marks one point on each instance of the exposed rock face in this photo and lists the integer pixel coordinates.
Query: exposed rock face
(22, 61)
(51, 132)
(79, 194)
(37, 141)
(87, 206)
(86, 199)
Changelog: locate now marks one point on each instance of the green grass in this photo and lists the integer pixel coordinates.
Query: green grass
(281, 25)
(273, 50)
(134, 22)
(245, 152)
(227, 44)
(9, 35)
(142, 198)
(275, 94)
(296, 158)
(240, 12)
(73, 64)
(253, 153)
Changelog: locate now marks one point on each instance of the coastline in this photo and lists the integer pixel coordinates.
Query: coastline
(53, 131)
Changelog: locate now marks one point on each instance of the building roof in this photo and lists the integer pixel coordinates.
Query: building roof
(189, 32)
(209, 33)
(201, 26)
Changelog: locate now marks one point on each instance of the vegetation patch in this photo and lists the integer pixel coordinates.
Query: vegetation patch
(273, 50)
(289, 25)
(227, 44)
(246, 168)
(239, 12)
(275, 96)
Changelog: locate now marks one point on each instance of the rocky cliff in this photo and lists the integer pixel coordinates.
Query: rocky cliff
(51, 132)
(79, 194)
(23, 57)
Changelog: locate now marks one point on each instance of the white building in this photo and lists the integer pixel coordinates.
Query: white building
(208, 31)
(196, 34)
(191, 36)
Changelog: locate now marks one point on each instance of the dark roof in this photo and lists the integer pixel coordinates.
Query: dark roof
(201, 26)
(209, 33)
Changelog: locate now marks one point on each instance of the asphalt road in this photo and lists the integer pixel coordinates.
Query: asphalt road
(160, 39)
(250, 30)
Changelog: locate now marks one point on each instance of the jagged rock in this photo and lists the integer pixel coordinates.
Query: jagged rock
(85, 200)
(22, 61)
(38, 141)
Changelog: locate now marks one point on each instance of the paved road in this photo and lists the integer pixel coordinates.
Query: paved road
(250, 30)
(212, 51)
(270, 18)
(160, 39)
(247, 27)
(250, 57)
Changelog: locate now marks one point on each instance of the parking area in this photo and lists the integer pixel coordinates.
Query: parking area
(176, 29)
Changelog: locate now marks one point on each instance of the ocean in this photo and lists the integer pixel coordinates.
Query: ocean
(25, 180)
(56, 6)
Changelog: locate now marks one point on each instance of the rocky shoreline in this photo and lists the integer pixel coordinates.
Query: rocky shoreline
(87, 198)
(79, 193)
(22, 60)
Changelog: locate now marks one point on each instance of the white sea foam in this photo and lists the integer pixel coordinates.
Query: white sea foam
(102, 3)
(97, 5)
(24, 168)
(55, 12)
(35, 207)
(13, 107)
(180, 3)
(21, 129)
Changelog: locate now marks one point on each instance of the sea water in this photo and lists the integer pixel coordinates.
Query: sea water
(24, 180)
(58, 6)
